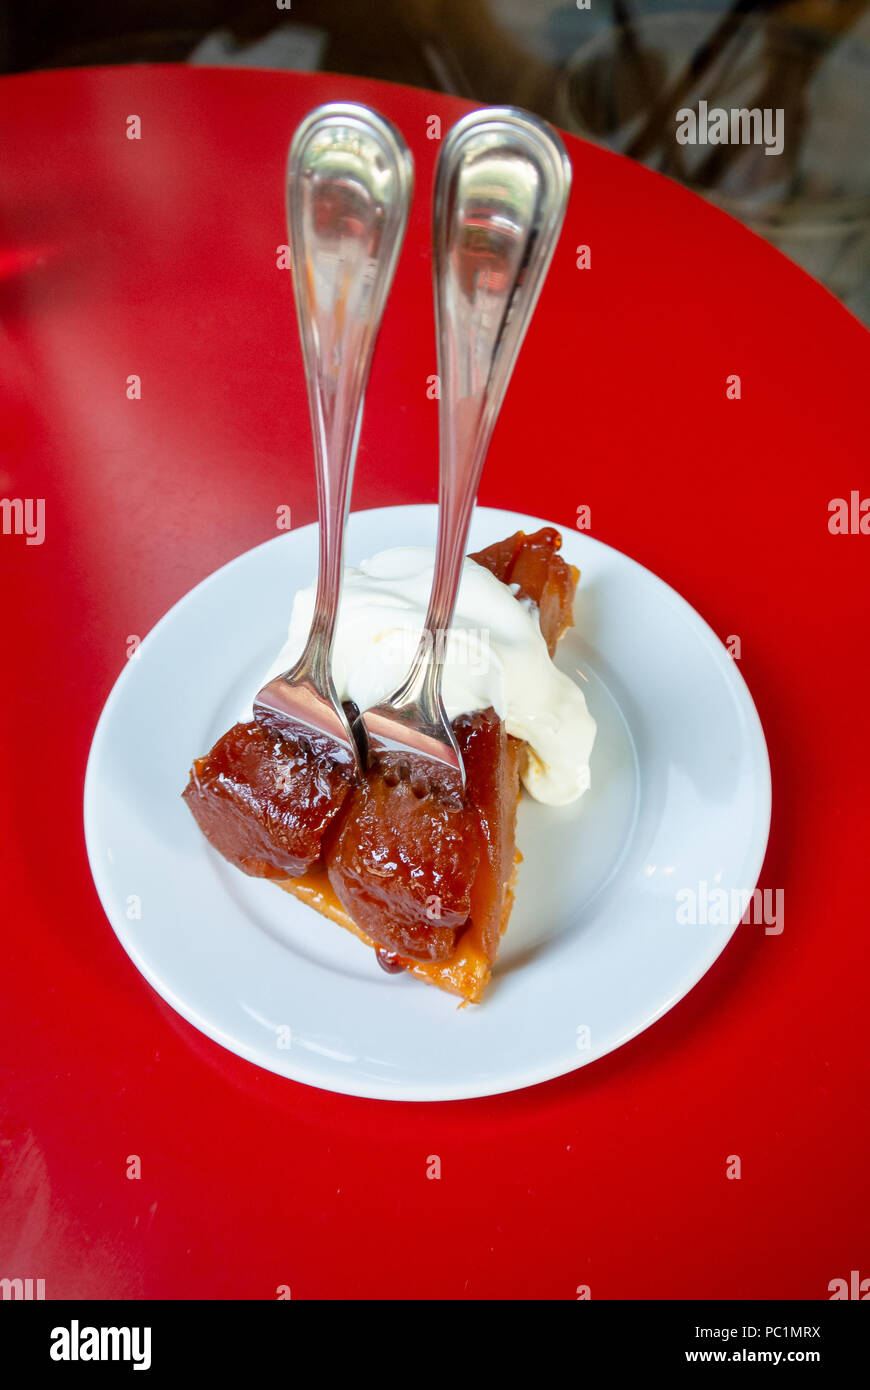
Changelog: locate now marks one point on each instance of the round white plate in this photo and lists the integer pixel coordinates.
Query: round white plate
(595, 950)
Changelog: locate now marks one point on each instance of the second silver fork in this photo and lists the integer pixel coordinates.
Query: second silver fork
(501, 188)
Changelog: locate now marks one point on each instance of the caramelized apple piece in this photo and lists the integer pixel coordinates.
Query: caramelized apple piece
(499, 557)
(402, 867)
(544, 576)
(492, 786)
(264, 802)
(533, 564)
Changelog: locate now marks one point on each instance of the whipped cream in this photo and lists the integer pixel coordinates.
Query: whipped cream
(494, 655)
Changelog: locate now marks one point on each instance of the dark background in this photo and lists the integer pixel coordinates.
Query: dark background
(615, 73)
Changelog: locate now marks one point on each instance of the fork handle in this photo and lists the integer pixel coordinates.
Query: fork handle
(349, 184)
(501, 187)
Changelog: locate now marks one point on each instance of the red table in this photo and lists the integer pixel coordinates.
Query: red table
(156, 258)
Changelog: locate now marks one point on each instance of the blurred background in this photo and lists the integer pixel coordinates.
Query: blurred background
(613, 71)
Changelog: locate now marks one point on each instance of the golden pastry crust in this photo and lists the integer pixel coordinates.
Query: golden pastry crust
(467, 973)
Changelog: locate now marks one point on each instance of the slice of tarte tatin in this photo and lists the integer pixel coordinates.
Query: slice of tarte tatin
(426, 883)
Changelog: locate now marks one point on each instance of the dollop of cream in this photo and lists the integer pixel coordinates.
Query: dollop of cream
(494, 655)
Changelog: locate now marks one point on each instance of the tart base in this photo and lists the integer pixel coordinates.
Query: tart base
(466, 973)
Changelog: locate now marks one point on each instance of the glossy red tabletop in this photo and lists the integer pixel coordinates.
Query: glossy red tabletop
(156, 258)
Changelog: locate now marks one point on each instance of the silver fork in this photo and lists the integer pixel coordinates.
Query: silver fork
(349, 184)
(501, 188)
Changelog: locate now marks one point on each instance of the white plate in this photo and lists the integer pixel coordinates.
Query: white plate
(593, 954)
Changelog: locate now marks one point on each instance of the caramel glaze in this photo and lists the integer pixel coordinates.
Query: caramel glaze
(413, 873)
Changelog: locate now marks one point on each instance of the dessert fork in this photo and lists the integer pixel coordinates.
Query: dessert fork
(501, 188)
(349, 183)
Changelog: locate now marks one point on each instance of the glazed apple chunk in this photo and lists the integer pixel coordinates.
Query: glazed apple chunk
(402, 866)
(426, 881)
(263, 803)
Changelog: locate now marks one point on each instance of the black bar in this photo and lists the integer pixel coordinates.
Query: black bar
(242, 1336)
